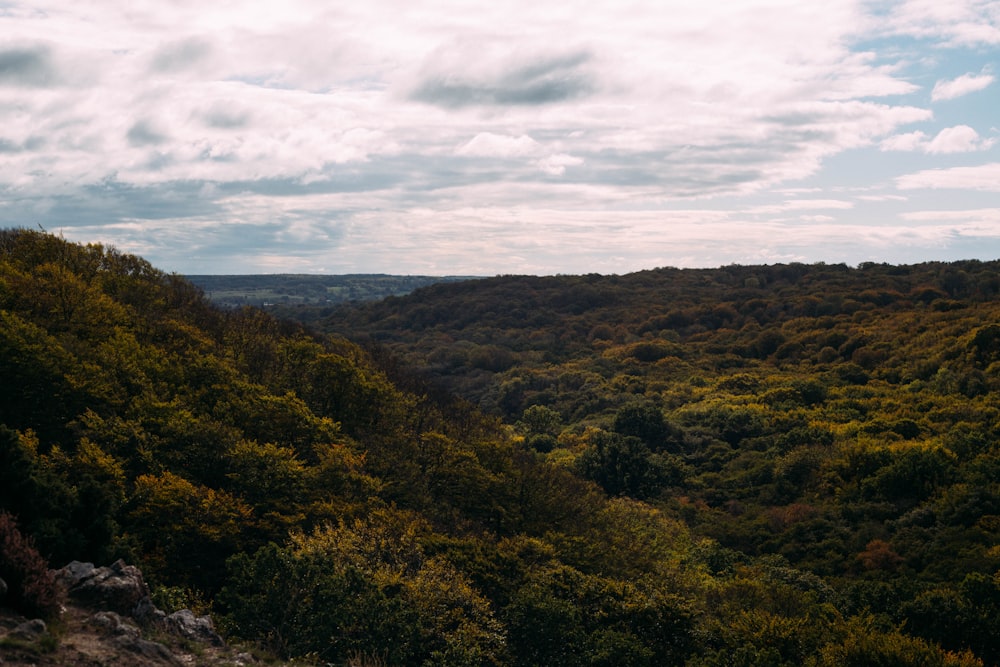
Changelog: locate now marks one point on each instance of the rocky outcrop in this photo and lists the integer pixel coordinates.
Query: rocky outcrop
(118, 587)
(195, 628)
(128, 637)
(110, 619)
(121, 588)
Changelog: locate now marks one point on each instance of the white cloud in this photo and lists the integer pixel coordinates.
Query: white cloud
(283, 118)
(555, 165)
(811, 204)
(956, 22)
(984, 178)
(648, 78)
(878, 198)
(488, 144)
(910, 141)
(803, 205)
(991, 215)
(957, 139)
(963, 85)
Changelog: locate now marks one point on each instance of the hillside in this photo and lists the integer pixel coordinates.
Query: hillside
(774, 318)
(663, 497)
(842, 419)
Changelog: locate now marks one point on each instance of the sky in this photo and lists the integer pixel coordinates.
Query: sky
(483, 138)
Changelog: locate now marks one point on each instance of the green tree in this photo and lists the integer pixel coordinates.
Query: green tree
(624, 465)
(37, 391)
(561, 616)
(646, 422)
(865, 644)
(185, 532)
(540, 425)
(365, 587)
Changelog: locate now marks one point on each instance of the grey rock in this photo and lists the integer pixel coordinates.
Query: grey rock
(154, 652)
(3, 589)
(147, 613)
(197, 628)
(242, 659)
(74, 573)
(113, 624)
(29, 630)
(118, 587)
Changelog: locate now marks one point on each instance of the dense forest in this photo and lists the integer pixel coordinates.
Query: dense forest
(789, 465)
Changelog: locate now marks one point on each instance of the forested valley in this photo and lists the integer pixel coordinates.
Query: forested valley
(750, 465)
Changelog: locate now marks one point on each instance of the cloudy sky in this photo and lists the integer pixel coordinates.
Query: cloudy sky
(476, 138)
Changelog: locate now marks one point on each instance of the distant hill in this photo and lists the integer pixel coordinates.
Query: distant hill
(477, 336)
(296, 289)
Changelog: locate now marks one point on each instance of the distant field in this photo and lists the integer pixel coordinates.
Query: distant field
(233, 291)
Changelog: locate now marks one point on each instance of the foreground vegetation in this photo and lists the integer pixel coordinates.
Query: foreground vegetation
(653, 481)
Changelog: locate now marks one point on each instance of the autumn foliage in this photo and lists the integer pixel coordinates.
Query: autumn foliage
(784, 465)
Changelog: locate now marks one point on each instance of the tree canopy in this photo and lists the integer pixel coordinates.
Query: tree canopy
(780, 468)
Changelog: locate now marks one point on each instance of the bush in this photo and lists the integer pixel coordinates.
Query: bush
(866, 645)
(32, 588)
(365, 589)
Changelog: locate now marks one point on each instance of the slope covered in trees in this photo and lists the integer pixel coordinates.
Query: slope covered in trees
(841, 419)
(328, 503)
